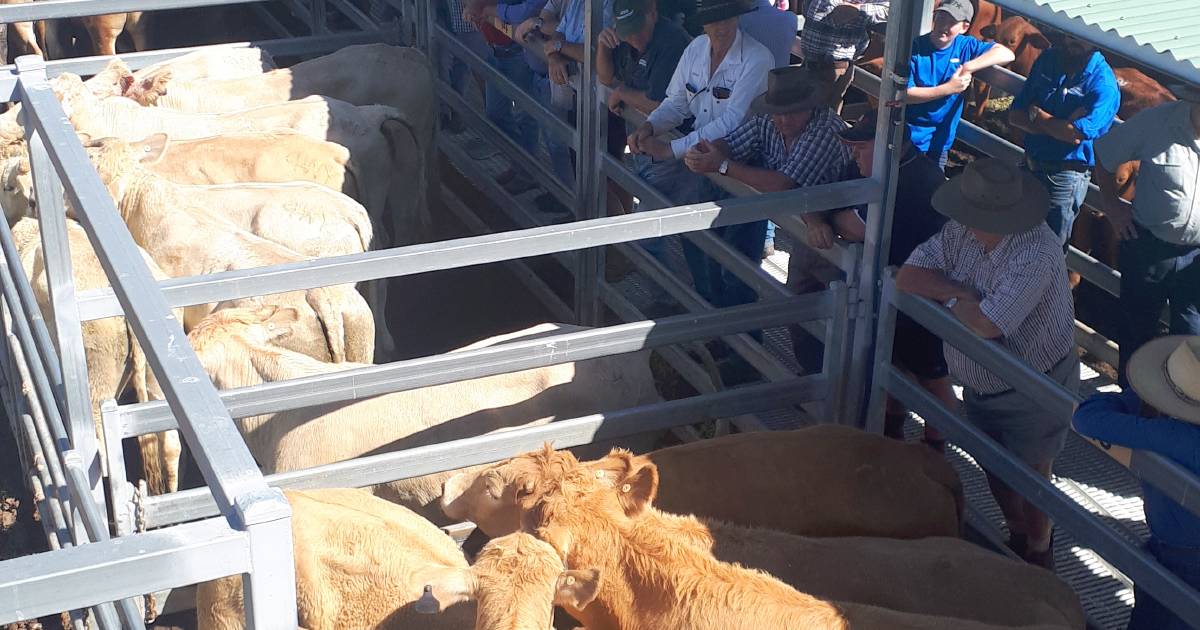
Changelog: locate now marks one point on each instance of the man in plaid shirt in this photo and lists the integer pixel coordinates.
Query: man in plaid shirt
(792, 141)
(999, 269)
(835, 35)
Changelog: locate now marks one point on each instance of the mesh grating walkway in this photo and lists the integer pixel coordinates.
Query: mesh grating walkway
(1083, 472)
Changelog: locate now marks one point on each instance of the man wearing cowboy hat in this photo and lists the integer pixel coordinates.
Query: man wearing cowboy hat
(1160, 246)
(999, 269)
(1161, 413)
(718, 76)
(791, 141)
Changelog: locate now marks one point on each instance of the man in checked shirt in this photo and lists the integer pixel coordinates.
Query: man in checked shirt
(999, 269)
(835, 35)
(791, 141)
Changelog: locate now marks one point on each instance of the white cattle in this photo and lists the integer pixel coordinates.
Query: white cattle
(239, 348)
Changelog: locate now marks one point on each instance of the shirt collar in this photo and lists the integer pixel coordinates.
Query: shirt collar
(732, 58)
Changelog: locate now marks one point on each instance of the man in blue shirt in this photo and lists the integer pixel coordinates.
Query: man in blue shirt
(940, 71)
(1160, 414)
(1070, 99)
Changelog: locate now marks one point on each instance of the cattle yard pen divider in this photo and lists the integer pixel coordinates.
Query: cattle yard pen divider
(46, 395)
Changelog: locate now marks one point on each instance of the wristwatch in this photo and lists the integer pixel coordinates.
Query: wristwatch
(558, 43)
(724, 167)
(538, 23)
(951, 302)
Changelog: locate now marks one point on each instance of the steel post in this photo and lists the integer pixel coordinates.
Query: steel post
(270, 588)
(884, 339)
(590, 191)
(889, 131)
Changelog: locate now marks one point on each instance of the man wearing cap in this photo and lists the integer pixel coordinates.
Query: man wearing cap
(718, 76)
(999, 269)
(636, 58)
(1160, 247)
(836, 32)
(1070, 99)
(791, 141)
(940, 71)
(1159, 413)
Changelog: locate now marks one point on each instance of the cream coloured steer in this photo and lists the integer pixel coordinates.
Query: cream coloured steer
(185, 240)
(114, 359)
(361, 563)
(240, 348)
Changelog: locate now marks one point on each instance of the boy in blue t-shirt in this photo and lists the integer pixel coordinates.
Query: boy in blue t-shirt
(940, 71)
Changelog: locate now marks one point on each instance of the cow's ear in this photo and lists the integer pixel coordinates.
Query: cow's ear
(153, 87)
(577, 588)
(152, 148)
(449, 585)
(638, 489)
(613, 468)
(1039, 41)
(281, 321)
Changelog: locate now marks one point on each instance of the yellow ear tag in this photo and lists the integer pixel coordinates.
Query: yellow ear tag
(626, 488)
(570, 580)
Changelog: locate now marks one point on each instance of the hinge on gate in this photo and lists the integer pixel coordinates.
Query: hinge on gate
(855, 307)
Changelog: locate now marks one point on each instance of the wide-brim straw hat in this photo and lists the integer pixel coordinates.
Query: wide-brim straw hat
(790, 89)
(709, 11)
(993, 196)
(1165, 373)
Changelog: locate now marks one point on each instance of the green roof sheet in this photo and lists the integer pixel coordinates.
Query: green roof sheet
(1161, 34)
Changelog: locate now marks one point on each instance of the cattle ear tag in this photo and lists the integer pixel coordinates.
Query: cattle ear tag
(599, 474)
(626, 488)
(570, 580)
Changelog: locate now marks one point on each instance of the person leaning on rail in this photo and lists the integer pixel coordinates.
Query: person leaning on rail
(717, 77)
(510, 58)
(1160, 413)
(1160, 246)
(1070, 98)
(940, 72)
(791, 141)
(835, 35)
(1000, 270)
(635, 59)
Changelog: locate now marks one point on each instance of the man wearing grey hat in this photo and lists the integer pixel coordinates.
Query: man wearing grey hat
(999, 269)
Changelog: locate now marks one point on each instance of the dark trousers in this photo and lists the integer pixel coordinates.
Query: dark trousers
(1154, 274)
(715, 283)
(1148, 614)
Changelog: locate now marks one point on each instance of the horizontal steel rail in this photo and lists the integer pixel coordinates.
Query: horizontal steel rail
(489, 248)
(86, 575)
(517, 355)
(483, 449)
(54, 9)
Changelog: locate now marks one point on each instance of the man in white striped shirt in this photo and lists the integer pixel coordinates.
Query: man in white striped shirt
(1000, 270)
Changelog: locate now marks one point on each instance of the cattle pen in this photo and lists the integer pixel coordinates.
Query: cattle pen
(111, 544)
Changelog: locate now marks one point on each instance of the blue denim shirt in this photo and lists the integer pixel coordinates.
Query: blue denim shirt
(1115, 418)
(1094, 90)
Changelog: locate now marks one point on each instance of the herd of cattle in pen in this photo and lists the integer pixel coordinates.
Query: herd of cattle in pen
(217, 162)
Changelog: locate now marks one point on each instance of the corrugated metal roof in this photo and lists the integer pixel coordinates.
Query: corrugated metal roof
(1161, 34)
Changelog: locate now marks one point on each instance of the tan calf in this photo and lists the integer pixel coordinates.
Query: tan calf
(649, 578)
(837, 482)
(361, 563)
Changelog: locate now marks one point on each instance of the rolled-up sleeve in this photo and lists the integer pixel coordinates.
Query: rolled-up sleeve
(1019, 291)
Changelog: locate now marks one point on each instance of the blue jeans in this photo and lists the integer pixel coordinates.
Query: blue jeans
(457, 72)
(560, 154)
(770, 231)
(1067, 190)
(503, 111)
(717, 284)
(1155, 273)
(1148, 614)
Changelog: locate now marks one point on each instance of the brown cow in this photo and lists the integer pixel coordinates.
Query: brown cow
(648, 577)
(839, 482)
